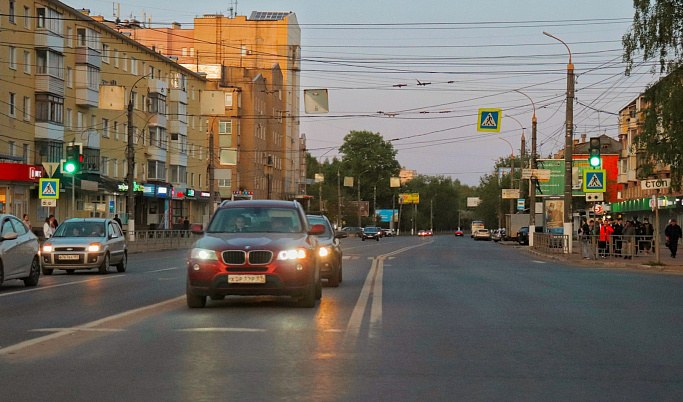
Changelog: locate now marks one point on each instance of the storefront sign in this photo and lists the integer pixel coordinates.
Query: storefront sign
(149, 190)
(20, 172)
(162, 191)
(124, 187)
(189, 192)
(243, 192)
(205, 194)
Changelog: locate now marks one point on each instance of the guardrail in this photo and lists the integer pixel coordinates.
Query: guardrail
(619, 246)
(154, 240)
(551, 243)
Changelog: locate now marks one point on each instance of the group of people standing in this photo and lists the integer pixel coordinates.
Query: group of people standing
(615, 237)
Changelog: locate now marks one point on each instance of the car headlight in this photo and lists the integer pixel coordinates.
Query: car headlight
(203, 254)
(47, 248)
(298, 254)
(94, 248)
(324, 251)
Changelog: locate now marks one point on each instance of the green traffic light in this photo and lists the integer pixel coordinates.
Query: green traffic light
(594, 161)
(70, 167)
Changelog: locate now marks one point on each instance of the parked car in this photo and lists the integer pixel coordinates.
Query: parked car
(556, 237)
(89, 243)
(353, 231)
(458, 232)
(482, 234)
(498, 235)
(371, 232)
(523, 234)
(19, 252)
(329, 250)
(256, 247)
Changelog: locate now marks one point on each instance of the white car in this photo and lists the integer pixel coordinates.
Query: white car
(19, 258)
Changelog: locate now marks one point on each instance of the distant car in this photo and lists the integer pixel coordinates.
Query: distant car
(458, 232)
(556, 237)
(429, 232)
(523, 234)
(422, 233)
(89, 243)
(19, 251)
(329, 250)
(388, 232)
(371, 232)
(498, 235)
(353, 230)
(482, 234)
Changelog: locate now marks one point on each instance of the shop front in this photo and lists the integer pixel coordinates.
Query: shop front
(16, 181)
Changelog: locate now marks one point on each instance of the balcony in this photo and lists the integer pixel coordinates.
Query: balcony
(157, 86)
(622, 178)
(177, 127)
(155, 153)
(89, 138)
(177, 95)
(46, 83)
(158, 120)
(631, 175)
(87, 97)
(86, 55)
(50, 131)
(47, 39)
(178, 159)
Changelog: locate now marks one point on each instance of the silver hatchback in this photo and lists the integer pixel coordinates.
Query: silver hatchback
(90, 243)
(19, 251)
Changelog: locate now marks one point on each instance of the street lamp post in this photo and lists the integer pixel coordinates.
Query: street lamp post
(532, 180)
(512, 171)
(568, 150)
(359, 175)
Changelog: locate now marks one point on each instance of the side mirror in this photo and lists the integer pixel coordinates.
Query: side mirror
(197, 228)
(9, 236)
(317, 230)
(341, 235)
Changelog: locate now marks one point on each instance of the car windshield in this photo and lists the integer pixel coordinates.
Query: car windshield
(556, 231)
(81, 229)
(319, 220)
(371, 230)
(255, 220)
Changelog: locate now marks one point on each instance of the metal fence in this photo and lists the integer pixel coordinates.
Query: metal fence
(153, 240)
(551, 243)
(619, 246)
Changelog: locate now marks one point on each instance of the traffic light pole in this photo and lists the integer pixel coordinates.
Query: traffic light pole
(73, 195)
(131, 173)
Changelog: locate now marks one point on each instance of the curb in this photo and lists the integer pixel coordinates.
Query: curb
(668, 269)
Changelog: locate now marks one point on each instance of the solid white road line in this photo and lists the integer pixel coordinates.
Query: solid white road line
(68, 331)
(353, 327)
(222, 330)
(376, 307)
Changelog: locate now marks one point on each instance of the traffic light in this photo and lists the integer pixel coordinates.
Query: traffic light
(74, 159)
(594, 152)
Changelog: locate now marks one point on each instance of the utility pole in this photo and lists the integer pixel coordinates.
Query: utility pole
(131, 170)
(522, 152)
(374, 206)
(568, 148)
(320, 195)
(533, 179)
(339, 203)
(431, 214)
(212, 168)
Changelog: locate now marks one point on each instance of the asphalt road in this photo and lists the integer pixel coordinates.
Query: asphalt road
(439, 318)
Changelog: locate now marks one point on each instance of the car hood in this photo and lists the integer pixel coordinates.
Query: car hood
(254, 241)
(74, 241)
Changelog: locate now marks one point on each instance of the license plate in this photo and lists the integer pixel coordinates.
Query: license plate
(67, 257)
(246, 279)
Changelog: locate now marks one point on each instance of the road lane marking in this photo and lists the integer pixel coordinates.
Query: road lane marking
(99, 278)
(221, 330)
(68, 331)
(77, 329)
(371, 288)
(539, 262)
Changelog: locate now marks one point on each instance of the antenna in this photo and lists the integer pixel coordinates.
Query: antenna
(144, 17)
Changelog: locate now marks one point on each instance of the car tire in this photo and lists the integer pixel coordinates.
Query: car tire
(34, 273)
(377, 238)
(2, 273)
(363, 238)
(104, 268)
(70, 271)
(333, 280)
(121, 267)
(46, 271)
(308, 298)
(193, 300)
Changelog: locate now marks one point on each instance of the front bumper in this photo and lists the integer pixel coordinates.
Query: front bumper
(84, 260)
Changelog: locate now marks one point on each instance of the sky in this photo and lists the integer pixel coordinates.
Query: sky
(474, 54)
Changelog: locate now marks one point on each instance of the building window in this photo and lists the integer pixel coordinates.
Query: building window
(134, 66)
(178, 174)
(228, 156)
(27, 62)
(27, 17)
(116, 58)
(105, 53)
(104, 166)
(27, 108)
(10, 148)
(13, 57)
(105, 128)
(12, 104)
(68, 119)
(224, 182)
(10, 14)
(157, 103)
(192, 179)
(156, 170)
(183, 52)
(116, 131)
(125, 62)
(225, 127)
(115, 168)
(49, 108)
(25, 154)
(69, 37)
(157, 137)
(228, 99)
(81, 38)
(51, 63)
(69, 77)
(49, 151)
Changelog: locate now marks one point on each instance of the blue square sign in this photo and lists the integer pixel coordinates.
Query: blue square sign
(489, 120)
(594, 181)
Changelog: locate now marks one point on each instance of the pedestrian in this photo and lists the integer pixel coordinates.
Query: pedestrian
(638, 227)
(584, 231)
(673, 233)
(605, 233)
(47, 227)
(628, 240)
(186, 224)
(53, 223)
(648, 232)
(618, 227)
(27, 222)
(591, 236)
(118, 220)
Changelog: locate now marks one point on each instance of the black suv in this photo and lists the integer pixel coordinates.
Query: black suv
(256, 248)
(523, 234)
(371, 232)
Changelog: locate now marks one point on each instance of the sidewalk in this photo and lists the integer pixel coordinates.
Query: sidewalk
(639, 262)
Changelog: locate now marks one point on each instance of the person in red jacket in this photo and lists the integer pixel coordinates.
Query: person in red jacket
(605, 233)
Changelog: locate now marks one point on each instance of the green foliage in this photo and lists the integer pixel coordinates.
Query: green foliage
(658, 34)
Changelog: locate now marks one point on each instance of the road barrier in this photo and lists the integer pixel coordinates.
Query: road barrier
(154, 240)
(619, 246)
(551, 243)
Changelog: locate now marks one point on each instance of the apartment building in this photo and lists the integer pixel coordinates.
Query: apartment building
(53, 62)
(258, 58)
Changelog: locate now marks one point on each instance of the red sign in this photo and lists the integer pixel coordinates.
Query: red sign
(598, 209)
(21, 172)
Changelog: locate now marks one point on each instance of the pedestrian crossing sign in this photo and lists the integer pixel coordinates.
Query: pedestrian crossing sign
(49, 189)
(489, 120)
(594, 181)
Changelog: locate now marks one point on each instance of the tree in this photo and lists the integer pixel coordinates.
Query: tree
(658, 34)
